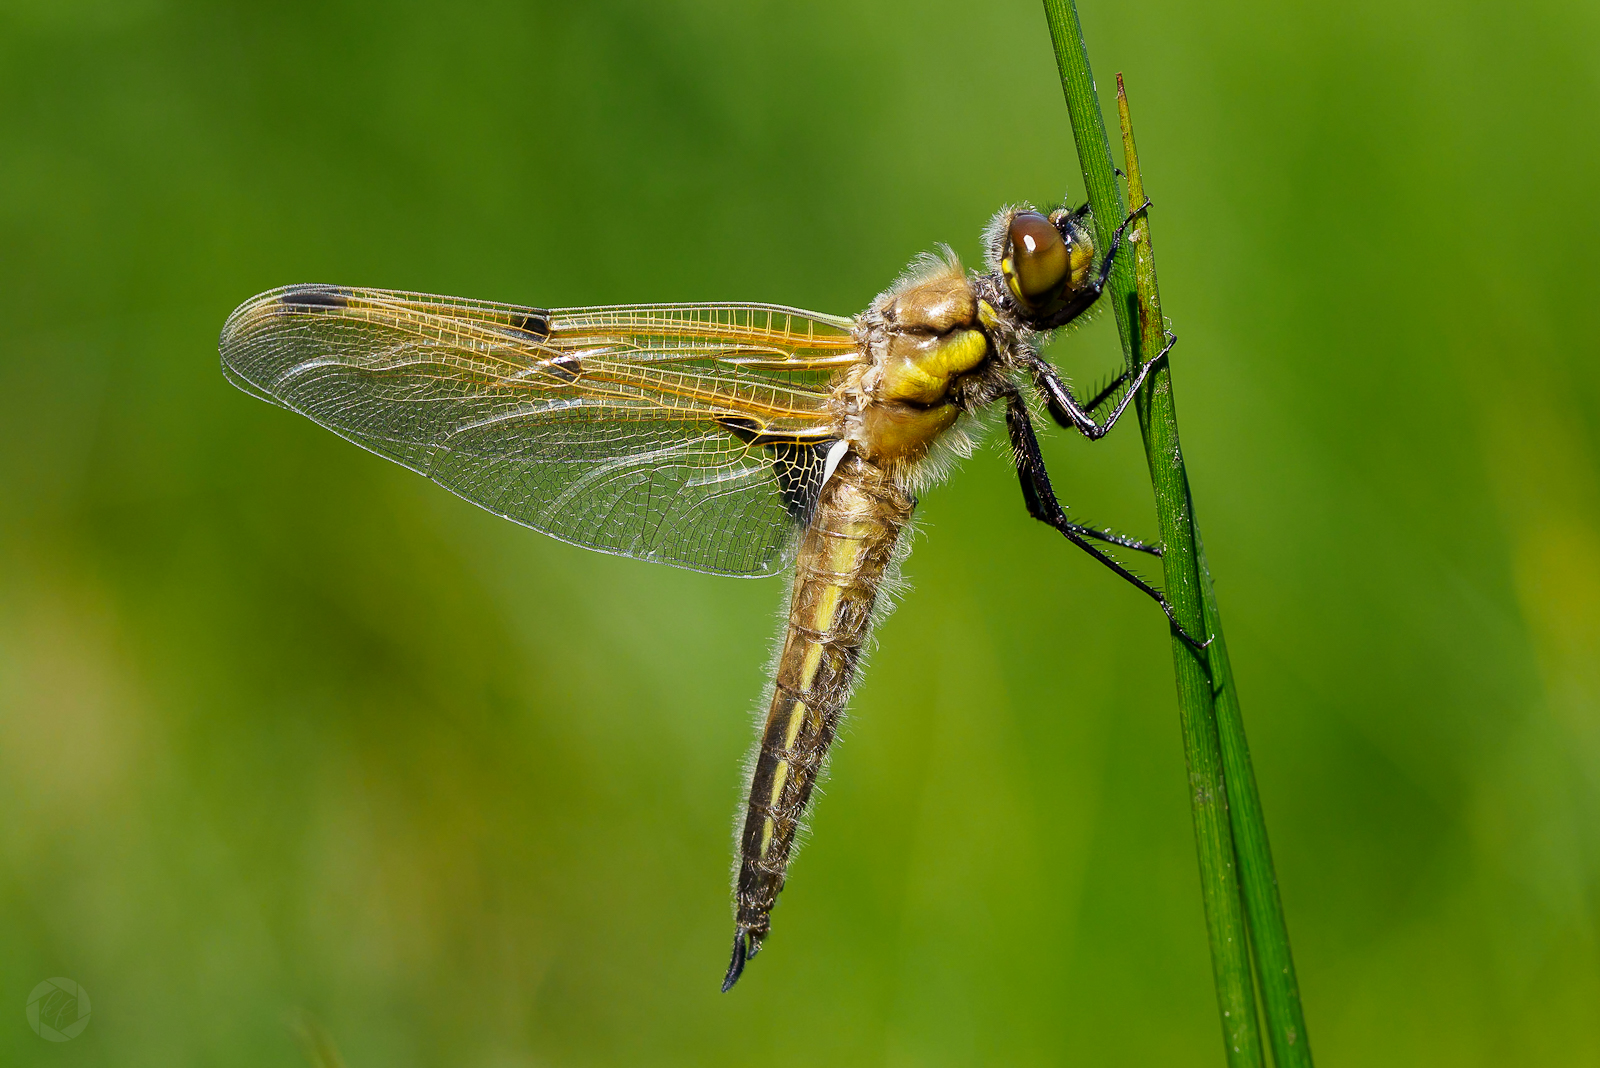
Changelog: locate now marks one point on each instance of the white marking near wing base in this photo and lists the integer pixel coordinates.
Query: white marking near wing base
(836, 453)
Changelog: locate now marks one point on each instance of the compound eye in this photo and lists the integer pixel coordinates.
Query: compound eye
(1038, 257)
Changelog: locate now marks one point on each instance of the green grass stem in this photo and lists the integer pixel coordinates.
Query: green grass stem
(1236, 873)
(1280, 990)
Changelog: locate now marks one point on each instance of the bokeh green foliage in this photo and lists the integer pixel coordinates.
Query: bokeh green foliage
(285, 729)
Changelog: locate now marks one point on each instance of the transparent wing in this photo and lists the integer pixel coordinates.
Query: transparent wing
(690, 434)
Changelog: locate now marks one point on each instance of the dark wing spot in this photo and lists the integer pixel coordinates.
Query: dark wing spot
(798, 466)
(567, 368)
(316, 297)
(797, 463)
(535, 325)
(746, 430)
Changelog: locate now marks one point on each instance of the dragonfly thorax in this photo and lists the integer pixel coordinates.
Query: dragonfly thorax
(923, 337)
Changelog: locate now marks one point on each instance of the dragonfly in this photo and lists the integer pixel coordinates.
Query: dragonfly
(734, 439)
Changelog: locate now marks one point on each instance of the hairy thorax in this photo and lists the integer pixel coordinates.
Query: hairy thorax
(922, 337)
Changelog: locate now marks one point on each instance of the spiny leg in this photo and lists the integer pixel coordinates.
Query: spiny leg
(1112, 537)
(1069, 413)
(1116, 384)
(1106, 391)
(1111, 387)
(1040, 498)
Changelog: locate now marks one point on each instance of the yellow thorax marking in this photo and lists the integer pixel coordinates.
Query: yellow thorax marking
(779, 777)
(920, 370)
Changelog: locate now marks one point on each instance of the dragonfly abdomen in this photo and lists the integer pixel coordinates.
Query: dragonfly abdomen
(843, 560)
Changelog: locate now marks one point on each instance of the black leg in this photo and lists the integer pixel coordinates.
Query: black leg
(1109, 388)
(1112, 537)
(1040, 498)
(1069, 413)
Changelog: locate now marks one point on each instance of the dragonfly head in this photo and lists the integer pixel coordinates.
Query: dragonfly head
(1043, 259)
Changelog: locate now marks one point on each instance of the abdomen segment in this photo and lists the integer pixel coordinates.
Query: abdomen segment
(844, 556)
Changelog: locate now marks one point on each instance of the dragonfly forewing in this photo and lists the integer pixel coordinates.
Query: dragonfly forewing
(688, 434)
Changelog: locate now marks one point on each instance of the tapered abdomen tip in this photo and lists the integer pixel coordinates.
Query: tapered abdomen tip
(736, 965)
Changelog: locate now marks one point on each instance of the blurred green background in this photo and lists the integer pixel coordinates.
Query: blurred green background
(285, 728)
